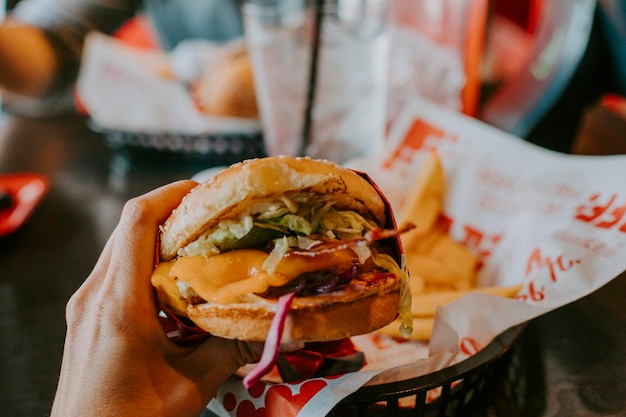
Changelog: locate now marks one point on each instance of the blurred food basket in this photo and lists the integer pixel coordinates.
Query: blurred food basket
(209, 149)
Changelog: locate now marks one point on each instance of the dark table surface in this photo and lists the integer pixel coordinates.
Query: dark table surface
(574, 358)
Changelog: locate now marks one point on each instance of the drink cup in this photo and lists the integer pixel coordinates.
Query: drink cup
(320, 73)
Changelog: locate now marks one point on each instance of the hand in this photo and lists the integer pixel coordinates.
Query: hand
(117, 359)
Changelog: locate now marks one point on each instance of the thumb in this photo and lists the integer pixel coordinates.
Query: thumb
(222, 357)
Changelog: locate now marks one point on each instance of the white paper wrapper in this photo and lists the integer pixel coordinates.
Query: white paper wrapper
(136, 90)
(555, 223)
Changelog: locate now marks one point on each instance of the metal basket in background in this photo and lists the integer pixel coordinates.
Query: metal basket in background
(452, 391)
(211, 149)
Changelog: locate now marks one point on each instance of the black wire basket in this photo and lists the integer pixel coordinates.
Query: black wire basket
(207, 148)
(452, 391)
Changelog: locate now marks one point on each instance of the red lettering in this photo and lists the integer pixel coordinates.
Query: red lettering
(533, 293)
(469, 346)
(616, 216)
(480, 243)
(566, 264)
(602, 215)
(473, 237)
(415, 139)
(445, 223)
(590, 213)
(561, 264)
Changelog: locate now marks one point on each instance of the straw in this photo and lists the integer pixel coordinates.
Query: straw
(310, 99)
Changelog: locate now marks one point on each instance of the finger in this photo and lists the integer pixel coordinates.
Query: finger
(222, 358)
(134, 250)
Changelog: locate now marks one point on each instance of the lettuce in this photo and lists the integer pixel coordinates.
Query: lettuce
(345, 224)
(387, 263)
(291, 223)
(281, 246)
(296, 215)
(227, 235)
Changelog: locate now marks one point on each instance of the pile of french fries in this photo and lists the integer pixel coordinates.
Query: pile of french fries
(441, 269)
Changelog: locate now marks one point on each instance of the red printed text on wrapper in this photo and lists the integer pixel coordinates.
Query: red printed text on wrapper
(421, 136)
(603, 213)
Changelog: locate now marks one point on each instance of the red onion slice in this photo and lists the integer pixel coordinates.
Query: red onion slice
(272, 342)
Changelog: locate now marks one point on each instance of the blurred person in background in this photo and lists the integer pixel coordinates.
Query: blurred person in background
(41, 41)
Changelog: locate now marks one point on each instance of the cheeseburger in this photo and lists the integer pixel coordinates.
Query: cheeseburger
(269, 228)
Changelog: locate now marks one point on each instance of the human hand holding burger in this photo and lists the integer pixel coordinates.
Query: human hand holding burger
(117, 358)
(282, 237)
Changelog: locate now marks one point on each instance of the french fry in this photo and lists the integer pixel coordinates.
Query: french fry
(422, 328)
(433, 270)
(462, 264)
(425, 304)
(445, 263)
(424, 307)
(425, 199)
(441, 269)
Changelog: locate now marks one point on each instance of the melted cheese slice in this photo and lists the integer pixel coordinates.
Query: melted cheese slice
(169, 289)
(226, 277)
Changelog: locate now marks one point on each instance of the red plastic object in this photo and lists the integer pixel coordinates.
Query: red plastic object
(26, 191)
(138, 32)
(614, 103)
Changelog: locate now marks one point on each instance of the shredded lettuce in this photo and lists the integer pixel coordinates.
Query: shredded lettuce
(281, 246)
(387, 263)
(318, 213)
(203, 246)
(303, 242)
(291, 205)
(238, 228)
(297, 215)
(345, 224)
(269, 210)
(292, 223)
(227, 234)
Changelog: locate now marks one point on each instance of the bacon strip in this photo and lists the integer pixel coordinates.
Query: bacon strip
(335, 245)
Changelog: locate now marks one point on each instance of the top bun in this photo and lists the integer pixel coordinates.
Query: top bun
(231, 192)
(227, 88)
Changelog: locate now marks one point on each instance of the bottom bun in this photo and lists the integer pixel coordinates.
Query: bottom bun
(311, 319)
